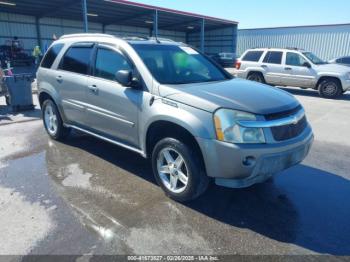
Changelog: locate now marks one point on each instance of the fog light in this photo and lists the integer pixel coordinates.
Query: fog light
(249, 161)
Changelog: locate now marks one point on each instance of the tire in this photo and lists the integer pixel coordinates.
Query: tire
(52, 121)
(257, 77)
(192, 167)
(330, 88)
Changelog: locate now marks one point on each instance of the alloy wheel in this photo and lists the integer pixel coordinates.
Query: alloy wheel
(172, 170)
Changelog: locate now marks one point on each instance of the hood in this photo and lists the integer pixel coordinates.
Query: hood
(333, 68)
(236, 94)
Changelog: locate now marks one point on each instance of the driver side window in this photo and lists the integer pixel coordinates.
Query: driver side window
(108, 62)
(294, 59)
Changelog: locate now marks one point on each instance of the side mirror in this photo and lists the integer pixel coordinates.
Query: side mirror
(307, 64)
(124, 77)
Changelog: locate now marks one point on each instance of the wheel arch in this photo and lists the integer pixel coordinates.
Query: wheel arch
(325, 77)
(255, 71)
(163, 128)
(44, 95)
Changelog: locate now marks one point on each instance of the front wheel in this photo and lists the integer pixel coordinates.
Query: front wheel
(52, 121)
(330, 88)
(178, 170)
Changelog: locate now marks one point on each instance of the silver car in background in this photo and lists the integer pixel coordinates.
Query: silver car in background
(293, 67)
(169, 103)
(345, 60)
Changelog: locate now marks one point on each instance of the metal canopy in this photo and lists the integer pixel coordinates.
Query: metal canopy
(118, 12)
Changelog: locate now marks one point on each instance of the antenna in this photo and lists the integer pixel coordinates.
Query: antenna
(155, 26)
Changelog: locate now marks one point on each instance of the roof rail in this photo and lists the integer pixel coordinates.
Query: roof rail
(85, 35)
(294, 48)
(131, 38)
(161, 39)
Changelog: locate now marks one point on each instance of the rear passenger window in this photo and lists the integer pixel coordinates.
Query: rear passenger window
(273, 57)
(109, 62)
(77, 59)
(252, 56)
(51, 55)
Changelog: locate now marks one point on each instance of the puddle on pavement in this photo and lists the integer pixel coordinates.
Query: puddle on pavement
(107, 198)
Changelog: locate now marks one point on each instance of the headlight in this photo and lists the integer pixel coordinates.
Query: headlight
(227, 129)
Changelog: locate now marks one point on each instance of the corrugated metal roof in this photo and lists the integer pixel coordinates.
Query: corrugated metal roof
(116, 12)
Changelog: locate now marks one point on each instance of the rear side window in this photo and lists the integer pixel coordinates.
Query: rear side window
(109, 62)
(273, 57)
(252, 56)
(77, 59)
(51, 55)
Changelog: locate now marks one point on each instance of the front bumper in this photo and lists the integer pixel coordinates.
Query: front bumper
(242, 165)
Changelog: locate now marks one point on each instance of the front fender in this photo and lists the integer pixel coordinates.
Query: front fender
(196, 121)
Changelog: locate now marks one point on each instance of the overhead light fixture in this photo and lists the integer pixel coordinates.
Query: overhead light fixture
(7, 3)
(148, 22)
(91, 14)
(190, 27)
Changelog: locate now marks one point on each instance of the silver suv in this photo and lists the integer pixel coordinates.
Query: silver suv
(293, 67)
(173, 105)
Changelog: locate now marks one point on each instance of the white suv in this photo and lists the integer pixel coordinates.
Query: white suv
(293, 67)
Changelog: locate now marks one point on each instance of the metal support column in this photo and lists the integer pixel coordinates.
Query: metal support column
(155, 23)
(202, 36)
(38, 32)
(234, 39)
(85, 18)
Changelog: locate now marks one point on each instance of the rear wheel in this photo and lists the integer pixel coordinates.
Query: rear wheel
(53, 121)
(178, 170)
(257, 77)
(330, 88)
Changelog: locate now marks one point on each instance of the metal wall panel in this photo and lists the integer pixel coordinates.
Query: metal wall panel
(327, 41)
(22, 26)
(216, 41)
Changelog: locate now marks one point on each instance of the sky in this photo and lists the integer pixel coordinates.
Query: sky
(265, 13)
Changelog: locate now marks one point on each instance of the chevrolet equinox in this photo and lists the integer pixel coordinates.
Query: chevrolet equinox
(174, 105)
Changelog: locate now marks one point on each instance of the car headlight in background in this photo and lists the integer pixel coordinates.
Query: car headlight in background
(228, 130)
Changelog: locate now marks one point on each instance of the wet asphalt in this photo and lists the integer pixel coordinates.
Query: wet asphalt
(85, 196)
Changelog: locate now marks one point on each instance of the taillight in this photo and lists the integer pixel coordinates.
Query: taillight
(238, 65)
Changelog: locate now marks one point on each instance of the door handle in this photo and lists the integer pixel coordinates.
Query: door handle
(264, 66)
(287, 68)
(59, 79)
(93, 89)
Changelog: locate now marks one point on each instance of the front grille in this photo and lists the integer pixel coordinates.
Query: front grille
(283, 114)
(286, 132)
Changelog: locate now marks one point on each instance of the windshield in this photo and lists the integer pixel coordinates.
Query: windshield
(314, 59)
(171, 64)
